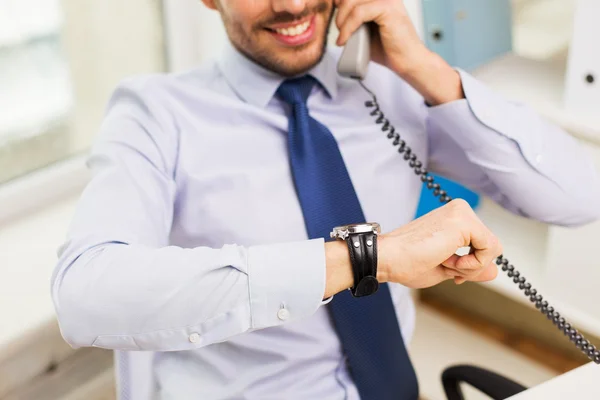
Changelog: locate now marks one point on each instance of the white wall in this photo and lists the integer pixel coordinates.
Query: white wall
(105, 41)
(194, 33)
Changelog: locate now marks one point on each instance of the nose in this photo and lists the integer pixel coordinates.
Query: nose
(289, 6)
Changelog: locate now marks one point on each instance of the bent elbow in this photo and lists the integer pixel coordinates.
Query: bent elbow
(580, 209)
(75, 318)
(585, 216)
(78, 309)
(578, 220)
(586, 205)
(587, 202)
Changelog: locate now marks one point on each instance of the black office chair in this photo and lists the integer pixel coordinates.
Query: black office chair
(496, 386)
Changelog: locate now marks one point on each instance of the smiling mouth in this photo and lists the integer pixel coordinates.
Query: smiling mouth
(294, 34)
(294, 30)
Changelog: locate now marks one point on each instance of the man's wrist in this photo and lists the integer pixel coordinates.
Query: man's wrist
(339, 268)
(383, 268)
(431, 76)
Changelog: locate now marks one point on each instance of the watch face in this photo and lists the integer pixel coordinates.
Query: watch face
(342, 232)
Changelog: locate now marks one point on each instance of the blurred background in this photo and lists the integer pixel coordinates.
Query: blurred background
(61, 59)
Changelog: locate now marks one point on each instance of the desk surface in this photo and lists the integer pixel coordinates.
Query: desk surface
(581, 383)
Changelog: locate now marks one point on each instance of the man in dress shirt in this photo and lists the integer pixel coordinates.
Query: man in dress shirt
(189, 241)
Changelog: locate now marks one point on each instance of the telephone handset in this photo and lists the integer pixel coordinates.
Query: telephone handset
(354, 63)
(355, 58)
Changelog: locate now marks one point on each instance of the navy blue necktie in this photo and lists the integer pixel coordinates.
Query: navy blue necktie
(367, 327)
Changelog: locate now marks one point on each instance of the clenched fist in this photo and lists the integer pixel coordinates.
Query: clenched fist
(422, 253)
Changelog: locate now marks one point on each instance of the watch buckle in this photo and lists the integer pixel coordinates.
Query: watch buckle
(341, 234)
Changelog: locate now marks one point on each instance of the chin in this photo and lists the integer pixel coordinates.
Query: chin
(296, 65)
(293, 61)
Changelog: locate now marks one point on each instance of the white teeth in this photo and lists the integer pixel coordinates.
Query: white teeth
(294, 30)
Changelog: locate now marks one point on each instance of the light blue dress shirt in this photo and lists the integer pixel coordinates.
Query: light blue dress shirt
(189, 241)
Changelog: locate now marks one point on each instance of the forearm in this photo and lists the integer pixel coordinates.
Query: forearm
(133, 297)
(509, 153)
(431, 76)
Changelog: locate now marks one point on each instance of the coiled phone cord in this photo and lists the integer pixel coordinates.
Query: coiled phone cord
(568, 330)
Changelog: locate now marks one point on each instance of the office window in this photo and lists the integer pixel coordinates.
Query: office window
(59, 62)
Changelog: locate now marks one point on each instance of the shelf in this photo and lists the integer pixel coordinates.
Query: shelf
(540, 84)
(542, 28)
(526, 246)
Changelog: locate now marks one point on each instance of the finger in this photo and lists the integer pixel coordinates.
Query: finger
(431, 278)
(485, 246)
(469, 268)
(461, 215)
(459, 280)
(487, 255)
(465, 266)
(468, 263)
(361, 13)
(450, 264)
(487, 274)
(438, 275)
(344, 9)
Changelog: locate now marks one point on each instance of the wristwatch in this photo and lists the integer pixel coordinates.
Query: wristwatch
(362, 245)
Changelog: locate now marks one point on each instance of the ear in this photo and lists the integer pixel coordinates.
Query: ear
(210, 4)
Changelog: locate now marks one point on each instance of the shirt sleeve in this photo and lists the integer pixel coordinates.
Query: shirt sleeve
(119, 284)
(506, 151)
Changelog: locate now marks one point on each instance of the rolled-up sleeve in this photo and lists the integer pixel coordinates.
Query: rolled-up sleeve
(508, 152)
(119, 284)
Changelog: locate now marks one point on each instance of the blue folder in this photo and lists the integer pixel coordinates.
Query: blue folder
(428, 202)
(468, 33)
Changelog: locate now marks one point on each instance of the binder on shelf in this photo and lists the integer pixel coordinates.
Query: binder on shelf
(582, 82)
(428, 202)
(468, 33)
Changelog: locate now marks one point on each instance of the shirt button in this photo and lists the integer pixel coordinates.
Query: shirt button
(539, 158)
(194, 338)
(283, 314)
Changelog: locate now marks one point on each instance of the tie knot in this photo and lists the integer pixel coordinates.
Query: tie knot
(296, 91)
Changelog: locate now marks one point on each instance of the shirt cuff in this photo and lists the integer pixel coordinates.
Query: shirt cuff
(286, 281)
(483, 119)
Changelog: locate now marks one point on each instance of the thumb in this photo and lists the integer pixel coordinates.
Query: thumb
(467, 263)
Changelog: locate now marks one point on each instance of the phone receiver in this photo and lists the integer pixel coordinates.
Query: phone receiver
(354, 61)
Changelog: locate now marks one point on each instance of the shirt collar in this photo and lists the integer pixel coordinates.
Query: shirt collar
(257, 85)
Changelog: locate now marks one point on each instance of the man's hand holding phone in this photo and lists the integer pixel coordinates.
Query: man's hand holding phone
(396, 45)
(394, 42)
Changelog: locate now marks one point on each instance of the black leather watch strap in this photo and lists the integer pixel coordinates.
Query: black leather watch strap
(363, 256)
